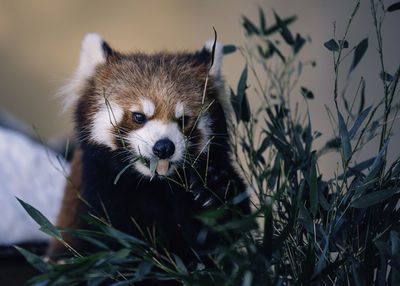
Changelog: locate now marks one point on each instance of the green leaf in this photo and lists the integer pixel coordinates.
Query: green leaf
(123, 171)
(394, 7)
(359, 53)
(332, 45)
(35, 260)
(285, 33)
(345, 44)
(229, 49)
(153, 165)
(298, 43)
(344, 138)
(263, 23)
(306, 92)
(245, 109)
(386, 76)
(45, 225)
(276, 27)
(362, 99)
(237, 108)
(374, 198)
(358, 122)
(313, 187)
(180, 266)
(250, 27)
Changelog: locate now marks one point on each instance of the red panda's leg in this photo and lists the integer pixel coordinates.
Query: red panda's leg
(68, 216)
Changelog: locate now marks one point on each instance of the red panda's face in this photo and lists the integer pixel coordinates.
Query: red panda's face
(150, 107)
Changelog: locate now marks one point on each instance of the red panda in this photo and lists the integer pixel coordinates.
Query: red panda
(161, 118)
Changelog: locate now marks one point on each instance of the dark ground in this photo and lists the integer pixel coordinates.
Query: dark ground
(14, 269)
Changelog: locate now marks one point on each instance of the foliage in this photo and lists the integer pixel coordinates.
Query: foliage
(304, 229)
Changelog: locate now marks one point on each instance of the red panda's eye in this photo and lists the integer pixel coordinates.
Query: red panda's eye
(183, 121)
(138, 117)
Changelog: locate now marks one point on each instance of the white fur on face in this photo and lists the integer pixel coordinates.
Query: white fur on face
(204, 126)
(147, 106)
(143, 140)
(103, 121)
(179, 109)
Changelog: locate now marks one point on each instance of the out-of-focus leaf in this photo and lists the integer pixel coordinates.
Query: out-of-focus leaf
(247, 278)
(45, 225)
(298, 43)
(358, 122)
(237, 108)
(313, 187)
(394, 7)
(345, 44)
(263, 23)
(322, 258)
(286, 34)
(245, 109)
(275, 172)
(386, 76)
(306, 92)
(358, 168)
(362, 98)
(372, 130)
(374, 198)
(35, 260)
(332, 45)
(180, 266)
(344, 138)
(228, 49)
(250, 27)
(359, 53)
(276, 27)
(375, 168)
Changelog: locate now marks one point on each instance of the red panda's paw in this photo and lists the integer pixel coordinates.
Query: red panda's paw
(212, 190)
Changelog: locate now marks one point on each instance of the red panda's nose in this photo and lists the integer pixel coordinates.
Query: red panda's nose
(164, 148)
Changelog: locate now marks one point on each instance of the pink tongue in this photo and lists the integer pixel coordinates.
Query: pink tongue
(162, 167)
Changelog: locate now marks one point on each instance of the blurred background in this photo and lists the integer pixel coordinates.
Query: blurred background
(40, 44)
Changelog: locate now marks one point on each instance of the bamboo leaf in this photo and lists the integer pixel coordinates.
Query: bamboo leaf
(374, 198)
(45, 225)
(359, 52)
(313, 187)
(153, 165)
(35, 260)
(332, 45)
(358, 122)
(344, 138)
(394, 7)
(229, 49)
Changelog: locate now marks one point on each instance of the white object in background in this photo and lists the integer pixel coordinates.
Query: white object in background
(32, 173)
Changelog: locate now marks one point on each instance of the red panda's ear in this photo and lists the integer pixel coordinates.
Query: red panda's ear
(94, 51)
(218, 55)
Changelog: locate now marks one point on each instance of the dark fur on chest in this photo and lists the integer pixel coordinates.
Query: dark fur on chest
(161, 203)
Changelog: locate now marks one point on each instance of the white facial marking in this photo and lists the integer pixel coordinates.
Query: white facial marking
(143, 140)
(134, 108)
(148, 107)
(204, 126)
(179, 110)
(103, 121)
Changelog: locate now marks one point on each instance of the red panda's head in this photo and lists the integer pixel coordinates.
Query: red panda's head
(149, 106)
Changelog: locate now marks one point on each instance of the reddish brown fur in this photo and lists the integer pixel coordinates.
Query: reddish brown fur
(69, 214)
(164, 78)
